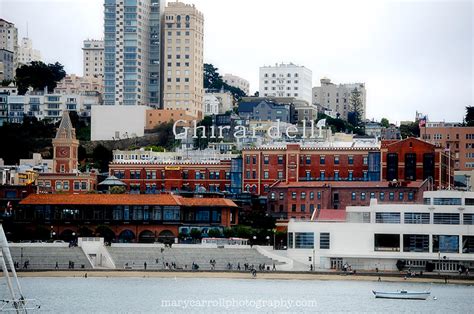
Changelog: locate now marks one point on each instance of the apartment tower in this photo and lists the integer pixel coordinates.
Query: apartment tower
(183, 59)
(9, 39)
(132, 52)
(93, 58)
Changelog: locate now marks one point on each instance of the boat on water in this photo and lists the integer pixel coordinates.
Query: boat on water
(402, 294)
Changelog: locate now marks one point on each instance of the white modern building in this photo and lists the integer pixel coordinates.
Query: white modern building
(336, 97)
(286, 80)
(237, 81)
(436, 235)
(117, 122)
(48, 106)
(26, 52)
(93, 58)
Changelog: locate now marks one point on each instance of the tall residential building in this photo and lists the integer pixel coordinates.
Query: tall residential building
(132, 52)
(236, 81)
(336, 98)
(9, 39)
(286, 80)
(183, 59)
(7, 64)
(26, 52)
(93, 58)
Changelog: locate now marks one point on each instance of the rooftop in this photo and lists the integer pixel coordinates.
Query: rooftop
(124, 199)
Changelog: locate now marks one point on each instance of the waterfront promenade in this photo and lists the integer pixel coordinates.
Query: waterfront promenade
(266, 275)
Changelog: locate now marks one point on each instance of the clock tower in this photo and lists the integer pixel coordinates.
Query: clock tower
(65, 147)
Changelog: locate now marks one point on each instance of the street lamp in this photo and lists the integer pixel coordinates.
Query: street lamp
(268, 240)
(254, 239)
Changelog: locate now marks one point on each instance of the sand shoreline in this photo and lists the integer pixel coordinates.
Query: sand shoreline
(384, 277)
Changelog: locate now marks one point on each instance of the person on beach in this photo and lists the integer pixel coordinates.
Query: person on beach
(274, 268)
(144, 265)
(57, 266)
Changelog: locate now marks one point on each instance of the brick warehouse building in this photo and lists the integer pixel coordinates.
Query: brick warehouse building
(150, 177)
(359, 160)
(305, 200)
(413, 159)
(122, 217)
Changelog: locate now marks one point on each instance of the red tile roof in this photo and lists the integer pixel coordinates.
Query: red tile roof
(123, 199)
(209, 202)
(331, 215)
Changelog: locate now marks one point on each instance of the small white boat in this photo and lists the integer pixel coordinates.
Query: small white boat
(402, 294)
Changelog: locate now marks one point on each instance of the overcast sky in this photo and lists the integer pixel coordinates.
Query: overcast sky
(412, 55)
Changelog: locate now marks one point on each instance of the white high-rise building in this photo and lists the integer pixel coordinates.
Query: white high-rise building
(286, 80)
(9, 39)
(336, 98)
(132, 46)
(236, 81)
(93, 58)
(26, 52)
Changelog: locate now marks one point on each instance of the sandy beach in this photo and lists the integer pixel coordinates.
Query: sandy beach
(244, 275)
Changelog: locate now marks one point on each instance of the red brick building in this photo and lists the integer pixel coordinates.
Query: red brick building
(339, 161)
(305, 200)
(413, 159)
(153, 177)
(123, 217)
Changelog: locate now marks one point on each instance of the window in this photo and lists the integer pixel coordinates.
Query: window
(400, 196)
(446, 219)
(322, 160)
(303, 195)
(362, 196)
(416, 243)
(293, 207)
(468, 219)
(446, 201)
(417, 218)
(353, 196)
(324, 241)
(290, 238)
(293, 195)
(382, 196)
(410, 166)
(280, 174)
(350, 160)
(387, 218)
(386, 242)
(311, 195)
(282, 196)
(265, 174)
(265, 160)
(280, 160)
(304, 240)
(468, 244)
(308, 160)
(319, 195)
(303, 207)
(336, 160)
(446, 243)
(392, 166)
(391, 196)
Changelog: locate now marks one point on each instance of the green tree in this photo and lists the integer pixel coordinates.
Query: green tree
(117, 190)
(470, 116)
(410, 130)
(214, 233)
(102, 156)
(355, 102)
(213, 80)
(384, 123)
(6, 82)
(39, 75)
(201, 142)
(165, 135)
(195, 234)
